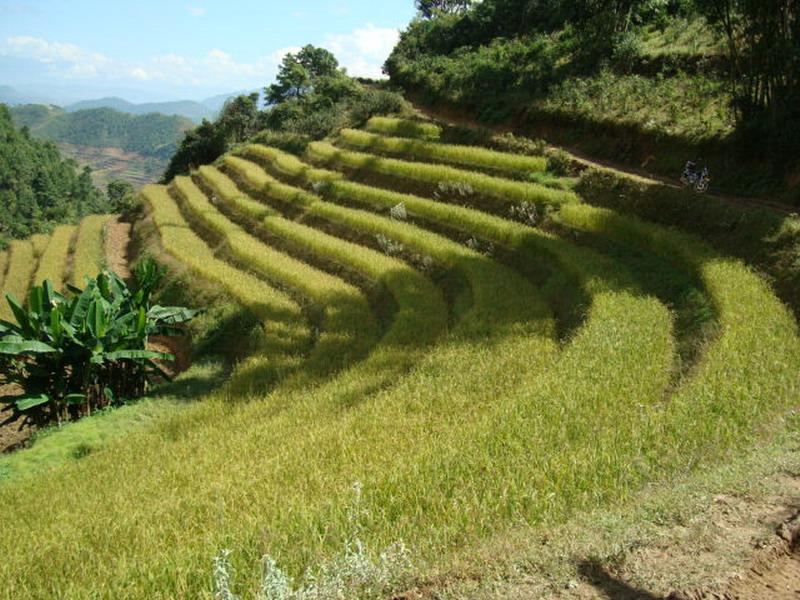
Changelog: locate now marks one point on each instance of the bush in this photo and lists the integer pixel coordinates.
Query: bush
(77, 353)
(375, 102)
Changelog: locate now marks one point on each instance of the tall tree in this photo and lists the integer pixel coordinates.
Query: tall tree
(430, 8)
(764, 46)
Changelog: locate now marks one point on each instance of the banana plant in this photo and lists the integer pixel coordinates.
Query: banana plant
(86, 349)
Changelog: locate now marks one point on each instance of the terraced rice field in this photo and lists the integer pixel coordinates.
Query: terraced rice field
(69, 254)
(478, 350)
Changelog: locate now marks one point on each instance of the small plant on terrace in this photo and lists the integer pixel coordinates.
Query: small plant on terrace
(399, 212)
(356, 573)
(453, 189)
(525, 212)
(320, 187)
(223, 576)
(476, 245)
(389, 246)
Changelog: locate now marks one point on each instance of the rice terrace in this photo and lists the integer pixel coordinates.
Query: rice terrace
(373, 342)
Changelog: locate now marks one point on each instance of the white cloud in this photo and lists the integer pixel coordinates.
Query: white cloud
(364, 50)
(68, 58)
(196, 11)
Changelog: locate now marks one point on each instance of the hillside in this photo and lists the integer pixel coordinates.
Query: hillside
(453, 329)
(113, 144)
(38, 187)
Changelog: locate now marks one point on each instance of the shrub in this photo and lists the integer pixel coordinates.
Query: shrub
(375, 102)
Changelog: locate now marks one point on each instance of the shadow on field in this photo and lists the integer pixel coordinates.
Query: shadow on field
(611, 586)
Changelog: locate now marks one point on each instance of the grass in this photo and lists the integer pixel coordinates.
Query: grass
(89, 256)
(348, 327)
(19, 274)
(500, 190)
(469, 156)
(53, 262)
(691, 107)
(750, 372)
(404, 128)
(58, 446)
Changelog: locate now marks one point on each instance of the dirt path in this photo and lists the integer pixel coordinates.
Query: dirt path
(118, 239)
(583, 161)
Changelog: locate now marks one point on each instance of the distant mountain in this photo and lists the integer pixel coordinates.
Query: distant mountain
(190, 109)
(151, 134)
(12, 97)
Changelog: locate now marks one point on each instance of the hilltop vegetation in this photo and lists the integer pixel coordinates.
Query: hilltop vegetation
(312, 97)
(39, 188)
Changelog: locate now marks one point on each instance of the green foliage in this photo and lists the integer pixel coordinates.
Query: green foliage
(300, 74)
(87, 350)
(37, 187)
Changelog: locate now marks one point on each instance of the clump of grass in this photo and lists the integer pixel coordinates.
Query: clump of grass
(355, 573)
(695, 107)
(404, 128)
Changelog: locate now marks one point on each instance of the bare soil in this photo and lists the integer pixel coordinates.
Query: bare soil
(13, 433)
(118, 239)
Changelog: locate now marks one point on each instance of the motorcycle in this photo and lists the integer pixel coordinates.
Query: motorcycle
(693, 177)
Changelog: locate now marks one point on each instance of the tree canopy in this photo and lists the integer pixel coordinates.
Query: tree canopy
(38, 188)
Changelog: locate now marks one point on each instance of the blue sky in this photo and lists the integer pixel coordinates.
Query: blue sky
(159, 50)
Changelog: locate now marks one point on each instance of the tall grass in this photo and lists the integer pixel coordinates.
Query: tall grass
(348, 326)
(500, 190)
(89, 256)
(435, 474)
(404, 128)
(53, 262)
(19, 274)
(468, 156)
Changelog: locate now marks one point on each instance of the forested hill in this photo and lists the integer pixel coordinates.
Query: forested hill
(153, 135)
(37, 186)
